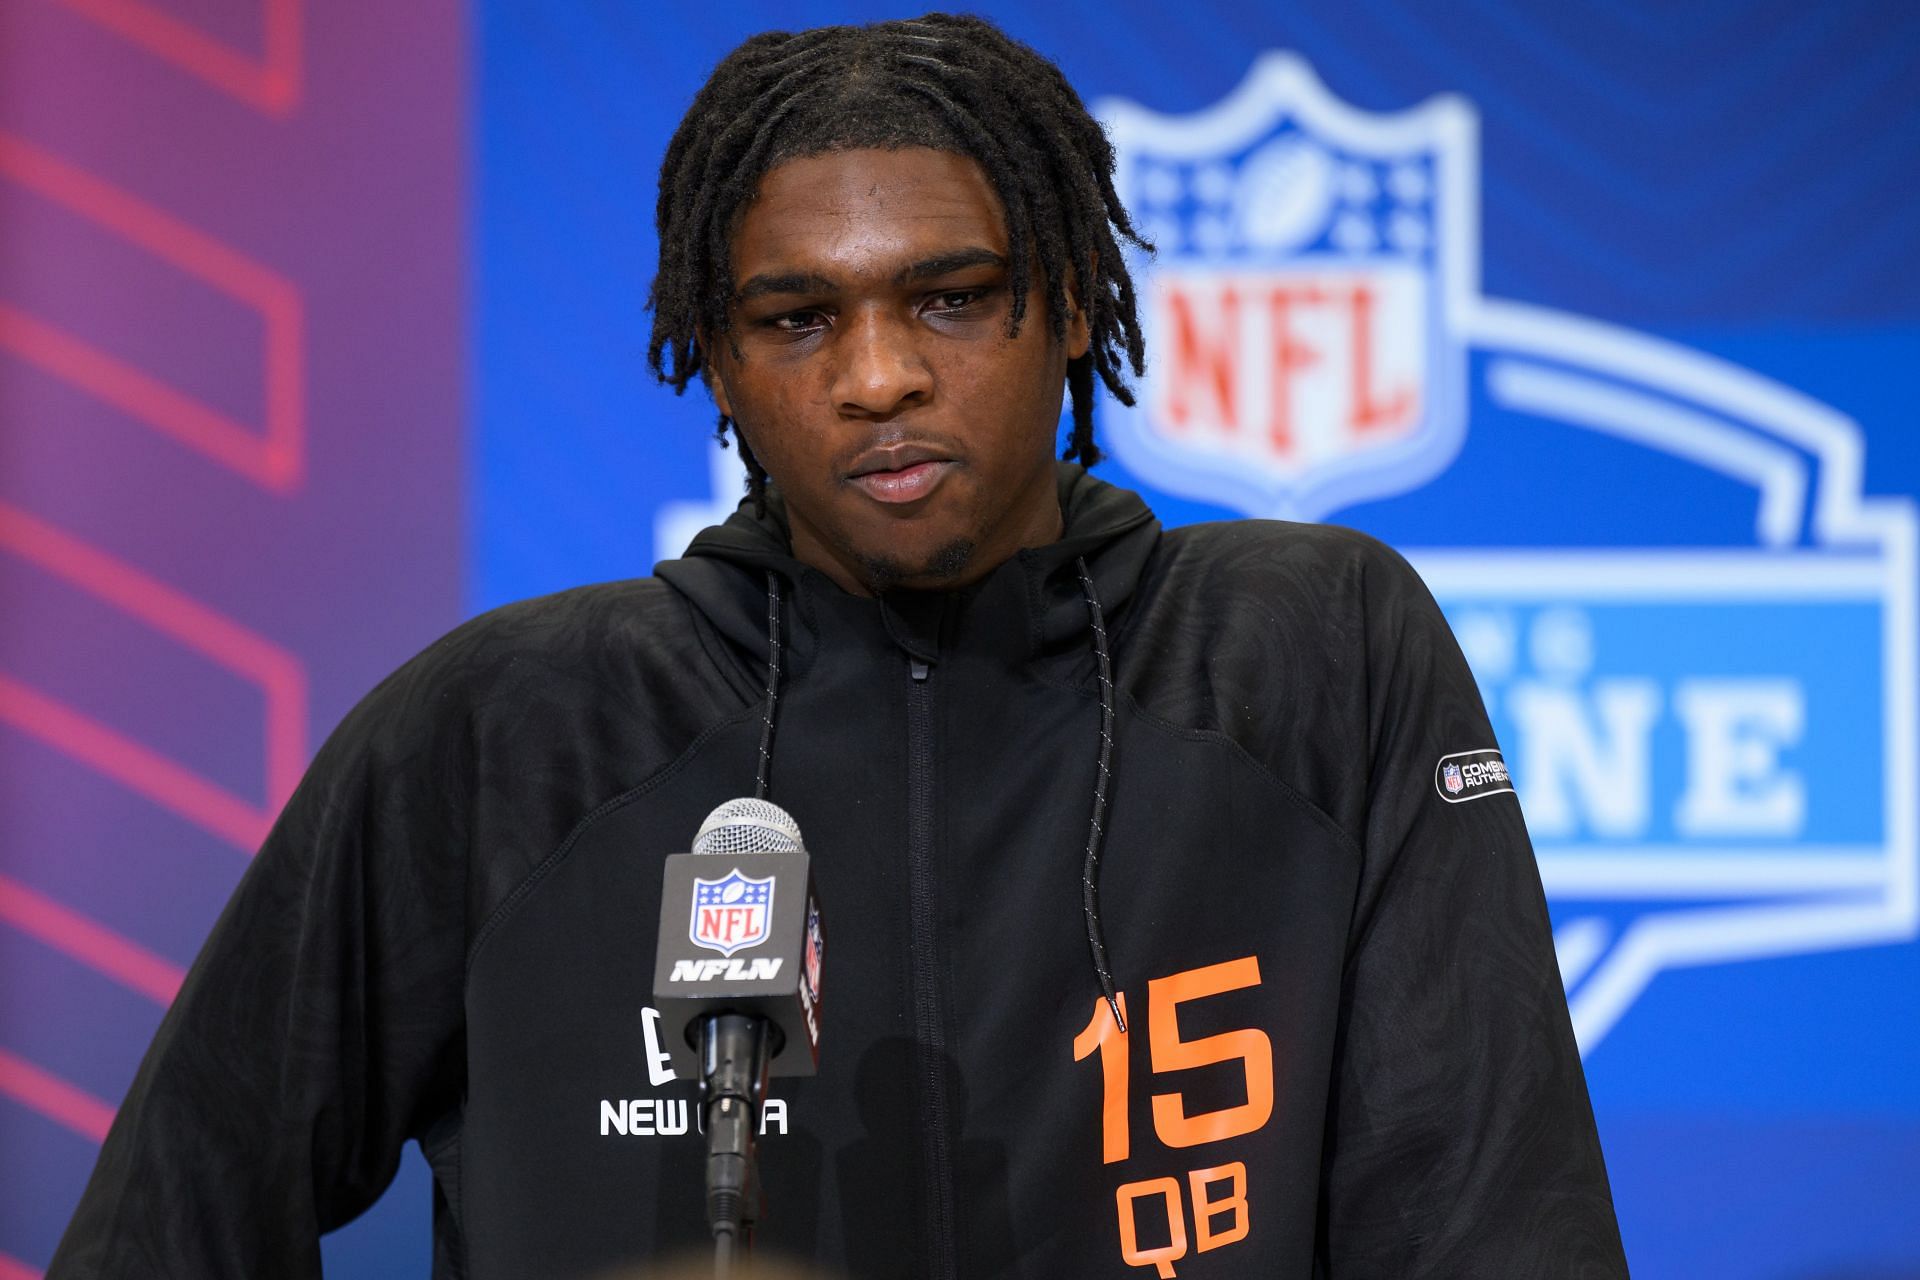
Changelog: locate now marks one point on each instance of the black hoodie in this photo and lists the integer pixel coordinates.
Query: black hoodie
(1347, 1053)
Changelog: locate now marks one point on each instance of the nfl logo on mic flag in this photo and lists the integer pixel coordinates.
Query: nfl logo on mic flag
(730, 913)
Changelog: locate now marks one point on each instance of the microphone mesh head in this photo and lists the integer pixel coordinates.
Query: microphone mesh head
(748, 826)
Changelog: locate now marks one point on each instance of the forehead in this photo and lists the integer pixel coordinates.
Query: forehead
(866, 212)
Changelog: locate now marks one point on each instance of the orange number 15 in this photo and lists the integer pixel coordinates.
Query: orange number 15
(1168, 1052)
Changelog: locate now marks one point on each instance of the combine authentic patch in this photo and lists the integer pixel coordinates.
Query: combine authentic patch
(1468, 775)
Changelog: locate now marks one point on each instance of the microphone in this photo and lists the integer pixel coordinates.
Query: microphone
(737, 976)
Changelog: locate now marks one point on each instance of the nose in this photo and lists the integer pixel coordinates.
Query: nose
(881, 370)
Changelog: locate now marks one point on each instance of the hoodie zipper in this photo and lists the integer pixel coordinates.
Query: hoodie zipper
(930, 1037)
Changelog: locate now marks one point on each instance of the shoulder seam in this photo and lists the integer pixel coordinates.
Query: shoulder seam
(532, 879)
(1287, 790)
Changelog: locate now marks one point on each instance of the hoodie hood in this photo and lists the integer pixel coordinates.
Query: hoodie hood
(1032, 604)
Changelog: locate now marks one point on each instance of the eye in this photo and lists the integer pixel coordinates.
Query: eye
(954, 299)
(795, 322)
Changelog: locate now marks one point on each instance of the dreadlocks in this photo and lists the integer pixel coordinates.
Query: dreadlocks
(956, 84)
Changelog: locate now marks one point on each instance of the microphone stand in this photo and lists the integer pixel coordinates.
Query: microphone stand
(734, 1052)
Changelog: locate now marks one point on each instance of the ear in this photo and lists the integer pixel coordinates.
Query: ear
(1079, 332)
(713, 375)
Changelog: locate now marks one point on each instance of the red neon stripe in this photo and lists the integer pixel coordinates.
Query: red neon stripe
(60, 1102)
(89, 942)
(146, 598)
(279, 673)
(14, 1269)
(277, 461)
(285, 460)
(282, 79)
(152, 228)
(273, 88)
(138, 768)
(138, 394)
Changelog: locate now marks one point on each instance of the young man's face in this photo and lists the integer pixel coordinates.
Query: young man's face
(911, 438)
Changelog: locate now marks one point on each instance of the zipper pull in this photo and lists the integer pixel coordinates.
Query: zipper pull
(917, 669)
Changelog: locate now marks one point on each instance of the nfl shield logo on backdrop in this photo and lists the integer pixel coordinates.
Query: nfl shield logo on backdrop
(1302, 310)
(731, 912)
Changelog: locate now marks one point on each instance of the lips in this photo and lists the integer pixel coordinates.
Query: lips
(900, 472)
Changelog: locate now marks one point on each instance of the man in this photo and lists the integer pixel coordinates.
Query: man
(1159, 942)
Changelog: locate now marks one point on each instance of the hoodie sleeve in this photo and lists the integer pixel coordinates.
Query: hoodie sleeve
(317, 1031)
(1460, 1137)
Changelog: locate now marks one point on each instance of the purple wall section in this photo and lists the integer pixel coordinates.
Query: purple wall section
(232, 474)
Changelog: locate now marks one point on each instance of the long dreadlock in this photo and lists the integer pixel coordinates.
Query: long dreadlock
(956, 84)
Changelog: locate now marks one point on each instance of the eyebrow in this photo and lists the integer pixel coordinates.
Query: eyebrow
(767, 283)
(943, 264)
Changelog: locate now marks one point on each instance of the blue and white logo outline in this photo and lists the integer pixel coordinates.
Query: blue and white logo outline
(1816, 537)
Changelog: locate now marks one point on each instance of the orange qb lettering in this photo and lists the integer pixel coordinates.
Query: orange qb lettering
(1218, 1196)
(1162, 1258)
(1206, 1210)
(1249, 1047)
(1103, 1034)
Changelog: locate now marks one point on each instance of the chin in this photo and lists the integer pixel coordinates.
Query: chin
(943, 566)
